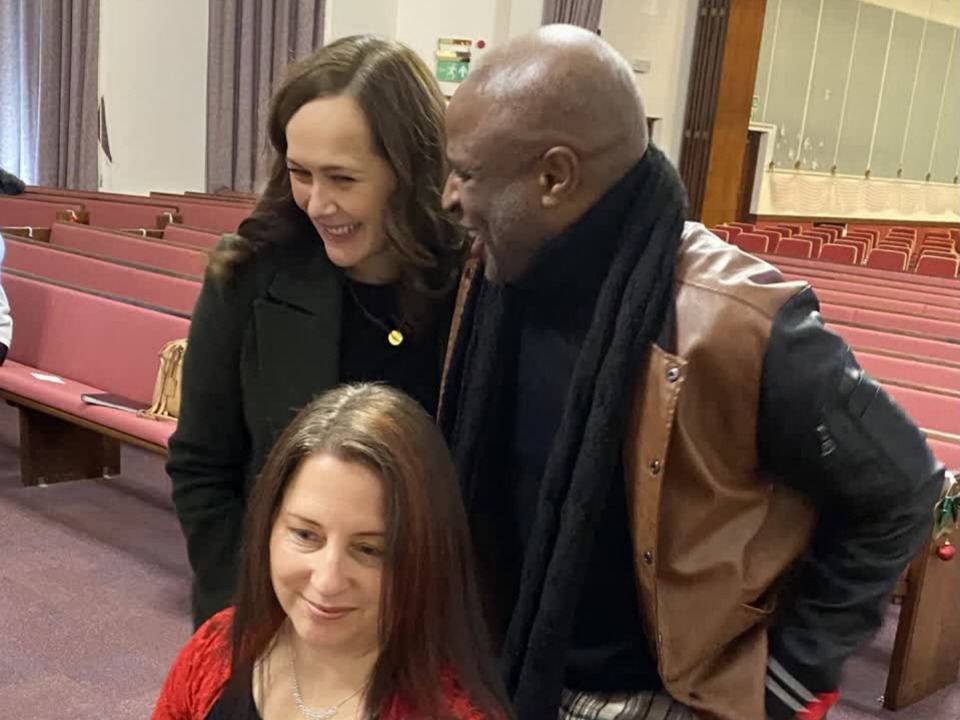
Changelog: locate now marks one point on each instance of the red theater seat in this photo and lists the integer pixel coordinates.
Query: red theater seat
(751, 243)
(938, 266)
(795, 247)
(841, 253)
(883, 259)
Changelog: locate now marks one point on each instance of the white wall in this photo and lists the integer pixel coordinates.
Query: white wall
(153, 76)
(354, 17)
(153, 59)
(661, 31)
(943, 11)
(421, 22)
(525, 15)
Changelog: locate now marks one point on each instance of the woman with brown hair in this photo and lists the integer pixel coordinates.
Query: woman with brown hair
(356, 597)
(346, 271)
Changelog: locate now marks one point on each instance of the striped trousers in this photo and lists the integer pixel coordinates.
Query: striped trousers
(621, 706)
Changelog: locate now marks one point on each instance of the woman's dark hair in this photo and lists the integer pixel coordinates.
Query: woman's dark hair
(405, 111)
(431, 620)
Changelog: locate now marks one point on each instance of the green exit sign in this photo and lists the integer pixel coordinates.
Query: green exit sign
(452, 70)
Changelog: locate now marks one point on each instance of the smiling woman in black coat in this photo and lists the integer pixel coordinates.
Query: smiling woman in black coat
(345, 271)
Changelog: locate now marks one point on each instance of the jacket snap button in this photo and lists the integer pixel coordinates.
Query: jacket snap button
(648, 557)
(655, 467)
(673, 374)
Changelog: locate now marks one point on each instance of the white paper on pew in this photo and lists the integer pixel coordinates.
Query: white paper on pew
(48, 378)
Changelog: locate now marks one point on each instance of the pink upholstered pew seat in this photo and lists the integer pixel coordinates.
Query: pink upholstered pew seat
(87, 343)
(820, 282)
(893, 278)
(929, 410)
(946, 452)
(129, 248)
(860, 338)
(154, 287)
(896, 322)
(887, 304)
(914, 372)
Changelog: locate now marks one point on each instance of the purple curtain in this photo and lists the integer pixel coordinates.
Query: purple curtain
(48, 91)
(251, 42)
(585, 13)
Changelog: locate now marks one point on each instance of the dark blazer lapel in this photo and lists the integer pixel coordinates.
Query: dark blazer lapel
(297, 331)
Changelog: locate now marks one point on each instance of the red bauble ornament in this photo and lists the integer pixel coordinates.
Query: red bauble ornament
(946, 552)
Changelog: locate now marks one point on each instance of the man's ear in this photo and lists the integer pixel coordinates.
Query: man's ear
(559, 176)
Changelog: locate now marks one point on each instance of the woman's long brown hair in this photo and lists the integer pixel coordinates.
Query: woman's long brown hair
(405, 109)
(431, 619)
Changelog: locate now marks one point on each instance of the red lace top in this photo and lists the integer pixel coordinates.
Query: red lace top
(202, 668)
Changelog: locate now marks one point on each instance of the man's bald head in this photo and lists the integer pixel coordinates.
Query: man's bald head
(537, 133)
(559, 85)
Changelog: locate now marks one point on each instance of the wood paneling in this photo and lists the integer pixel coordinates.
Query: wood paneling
(702, 99)
(729, 142)
(725, 56)
(926, 655)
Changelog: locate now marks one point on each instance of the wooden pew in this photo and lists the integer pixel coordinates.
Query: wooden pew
(190, 236)
(926, 652)
(17, 211)
(226, 195)
(122, 246)
(125, 212)
(161, 289)
(222, 217)
(81, 342)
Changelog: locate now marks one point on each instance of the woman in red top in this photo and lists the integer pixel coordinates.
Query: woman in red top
(357, 597)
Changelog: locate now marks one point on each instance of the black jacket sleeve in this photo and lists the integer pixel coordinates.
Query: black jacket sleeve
(829, 430)
(210, 449)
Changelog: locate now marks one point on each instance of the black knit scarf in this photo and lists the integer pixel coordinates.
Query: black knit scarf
(582, 466)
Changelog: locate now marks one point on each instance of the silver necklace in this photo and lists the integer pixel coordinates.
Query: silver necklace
(324, 713)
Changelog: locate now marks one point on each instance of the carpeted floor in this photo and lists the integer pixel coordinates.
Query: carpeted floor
(94, 600)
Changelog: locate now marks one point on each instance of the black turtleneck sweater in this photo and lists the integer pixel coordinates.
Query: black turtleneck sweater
(557, 296)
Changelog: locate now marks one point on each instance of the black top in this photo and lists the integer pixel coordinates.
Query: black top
(223, 710)
(608, 651)
(414, 366)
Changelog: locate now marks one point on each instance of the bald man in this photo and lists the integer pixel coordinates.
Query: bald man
(652, 427)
